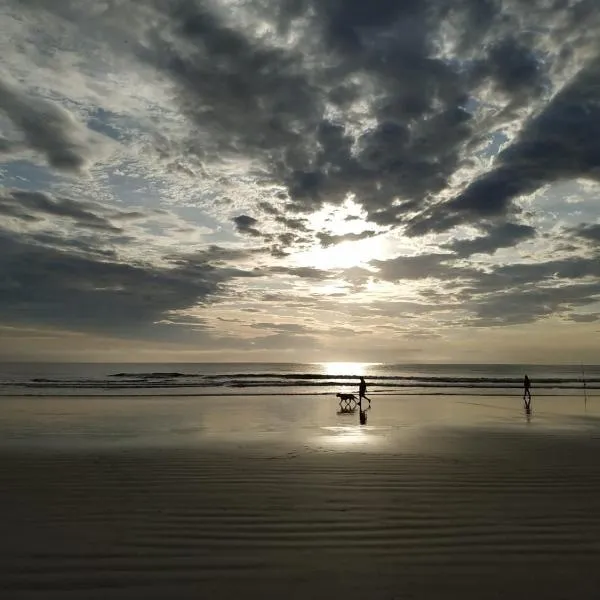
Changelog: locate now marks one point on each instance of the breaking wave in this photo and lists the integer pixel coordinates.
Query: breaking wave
(302, 383)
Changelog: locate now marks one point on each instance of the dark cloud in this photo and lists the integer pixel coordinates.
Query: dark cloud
(562, 142)
(585, 318)
(513, 68)
(262, 101)
(287, 239)
(566, 268)
(505, 235)
(278, 252)
(134, 215)
(292, 109)
(524, 293)
(422, 266)
(44, 285)
(34, 206)
(48, 128)
(301, 272)
(214, 254)
(245, 224)
(9, 146)
(327, 239)
(588, 232)
(517, 306)
(268, 208)
(502, 295)
(294, 224)
(89, 246)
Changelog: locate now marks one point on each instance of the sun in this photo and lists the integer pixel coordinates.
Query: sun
(340, 256)
(347, 240)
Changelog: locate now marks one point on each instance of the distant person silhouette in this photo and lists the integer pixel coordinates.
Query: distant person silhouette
(527, 391)
(362, 390)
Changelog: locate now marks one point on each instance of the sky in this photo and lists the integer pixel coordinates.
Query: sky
(300, 180)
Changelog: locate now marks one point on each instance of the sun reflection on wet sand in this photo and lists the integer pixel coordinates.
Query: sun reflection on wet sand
(348, 435)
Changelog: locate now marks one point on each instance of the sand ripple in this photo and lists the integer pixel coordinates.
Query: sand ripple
(150, 525)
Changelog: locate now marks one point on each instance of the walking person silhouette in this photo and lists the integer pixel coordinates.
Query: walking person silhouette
(527, 391)
(362, 390)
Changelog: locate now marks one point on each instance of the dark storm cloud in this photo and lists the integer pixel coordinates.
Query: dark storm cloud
(294, 224)
(590, 233)
(262, 101)
(218, 255)
(44, 285)
(90, 246)
(501, 295)
(567, 268)
(301, 272)
(245, 224)
(422, 266)
(585, 318)
(48, 128)
(327, 239)
(255, 99)
(503, 236)
(562, 142)
(290, 108)
(287, 239)
(524, 293)
(34, 206)
(527, 305)
(512, 67)
(268, 208)
(278, 252)
(8, 146)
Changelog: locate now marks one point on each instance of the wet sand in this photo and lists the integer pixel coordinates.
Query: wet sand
(467, 504)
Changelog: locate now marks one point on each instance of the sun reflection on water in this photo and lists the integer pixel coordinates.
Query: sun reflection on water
(346, 368)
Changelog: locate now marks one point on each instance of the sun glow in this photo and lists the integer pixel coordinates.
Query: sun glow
(345, 368)
(346, 239)
(340, 256)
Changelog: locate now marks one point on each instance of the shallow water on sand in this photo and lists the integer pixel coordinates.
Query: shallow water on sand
(393, 422)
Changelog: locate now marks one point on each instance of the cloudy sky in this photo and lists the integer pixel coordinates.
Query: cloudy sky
(300, 180)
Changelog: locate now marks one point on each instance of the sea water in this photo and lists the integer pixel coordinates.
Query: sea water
(212, 379)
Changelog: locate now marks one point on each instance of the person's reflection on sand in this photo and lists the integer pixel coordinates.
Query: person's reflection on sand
(362, 414)
(527, 389)
(527, 407)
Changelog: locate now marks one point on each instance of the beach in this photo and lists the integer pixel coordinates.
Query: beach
(459, 497)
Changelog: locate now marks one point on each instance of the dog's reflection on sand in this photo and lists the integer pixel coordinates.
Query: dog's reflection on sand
(348, 406)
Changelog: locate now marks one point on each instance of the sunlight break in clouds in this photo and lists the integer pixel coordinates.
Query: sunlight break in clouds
(342, 179)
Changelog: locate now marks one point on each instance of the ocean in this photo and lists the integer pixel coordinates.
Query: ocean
(219, 379)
